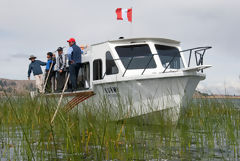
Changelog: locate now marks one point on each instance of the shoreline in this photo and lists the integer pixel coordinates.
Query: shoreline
(218, 97)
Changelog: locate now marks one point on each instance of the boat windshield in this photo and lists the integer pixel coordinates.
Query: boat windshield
(136, 56)
(169, 56)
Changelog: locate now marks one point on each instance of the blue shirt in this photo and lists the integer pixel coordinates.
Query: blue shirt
(49, 62)
(35, 67)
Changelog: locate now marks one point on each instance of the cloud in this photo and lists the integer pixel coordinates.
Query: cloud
(5, 60)
(231, 87)
(4, 33)
(20, 56)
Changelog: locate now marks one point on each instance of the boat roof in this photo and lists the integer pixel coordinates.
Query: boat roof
(131, 40)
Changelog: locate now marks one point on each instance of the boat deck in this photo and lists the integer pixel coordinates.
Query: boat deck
(73, 94)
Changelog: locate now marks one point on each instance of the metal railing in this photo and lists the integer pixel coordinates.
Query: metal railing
(128, 65)
(151, 58)
(199, 53)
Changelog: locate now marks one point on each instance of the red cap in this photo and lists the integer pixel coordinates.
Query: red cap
(71, 40)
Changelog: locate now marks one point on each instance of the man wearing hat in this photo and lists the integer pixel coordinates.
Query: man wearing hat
(35, 67)
(74, 56)
(60, 69)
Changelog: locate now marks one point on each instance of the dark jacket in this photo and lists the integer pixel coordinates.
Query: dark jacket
(76, 54)
(35, 67)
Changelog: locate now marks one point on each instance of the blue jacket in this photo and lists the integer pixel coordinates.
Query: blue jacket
(49, 62)
(35, 67)
(75, 54)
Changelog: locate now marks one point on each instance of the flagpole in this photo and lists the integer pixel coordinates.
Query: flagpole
(126, 15)
(131, 31)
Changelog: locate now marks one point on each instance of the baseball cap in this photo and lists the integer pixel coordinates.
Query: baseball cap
(71, 40)
(60, 49)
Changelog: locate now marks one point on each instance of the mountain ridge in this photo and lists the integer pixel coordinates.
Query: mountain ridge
(16, 87)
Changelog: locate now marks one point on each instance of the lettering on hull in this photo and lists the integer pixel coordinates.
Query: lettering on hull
(111, 90)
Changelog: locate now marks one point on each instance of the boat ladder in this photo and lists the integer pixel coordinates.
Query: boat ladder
(79, 97)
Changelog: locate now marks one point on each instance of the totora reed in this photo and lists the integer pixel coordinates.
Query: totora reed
(206, 130)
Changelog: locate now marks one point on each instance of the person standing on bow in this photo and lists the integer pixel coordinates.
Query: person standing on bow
(50, 74)
(35, 67)
(60, 69)
(74, 57)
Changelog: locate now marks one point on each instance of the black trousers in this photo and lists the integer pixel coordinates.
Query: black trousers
(61, 77)
(49, 85)
(74, 70)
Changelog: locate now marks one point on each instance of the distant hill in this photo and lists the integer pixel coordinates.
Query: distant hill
(16, 87)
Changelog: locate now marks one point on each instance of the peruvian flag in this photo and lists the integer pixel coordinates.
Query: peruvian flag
(124, 14)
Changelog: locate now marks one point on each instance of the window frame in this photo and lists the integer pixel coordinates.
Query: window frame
(101, 70)
(181, 63)
(108, 52)
(155, 64)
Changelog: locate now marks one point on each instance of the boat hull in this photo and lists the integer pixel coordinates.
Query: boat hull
(144, 96)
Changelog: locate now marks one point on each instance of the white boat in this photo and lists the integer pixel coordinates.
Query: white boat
(153, 74)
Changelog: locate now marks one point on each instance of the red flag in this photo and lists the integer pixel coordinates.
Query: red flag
(124, 14)
(119, 13)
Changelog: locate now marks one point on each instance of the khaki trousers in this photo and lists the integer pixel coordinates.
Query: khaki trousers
(39, 82)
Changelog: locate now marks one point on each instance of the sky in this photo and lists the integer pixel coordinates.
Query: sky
(39, 26)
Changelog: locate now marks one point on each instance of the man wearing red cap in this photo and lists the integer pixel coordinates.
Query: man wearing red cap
(74, 56)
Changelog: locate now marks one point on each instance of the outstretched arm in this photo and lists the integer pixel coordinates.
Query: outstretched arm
(42, 63)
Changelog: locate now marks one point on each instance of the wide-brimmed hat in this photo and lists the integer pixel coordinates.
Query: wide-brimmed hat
(32, 57)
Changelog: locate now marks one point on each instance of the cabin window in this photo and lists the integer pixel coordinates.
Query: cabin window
(136, 56)
(169, 56)
(97, 69)
(111, 67)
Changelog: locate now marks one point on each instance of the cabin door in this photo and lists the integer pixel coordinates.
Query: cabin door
(97, 69)
(84, 76)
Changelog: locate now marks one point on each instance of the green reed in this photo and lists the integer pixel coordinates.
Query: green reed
(206, 129)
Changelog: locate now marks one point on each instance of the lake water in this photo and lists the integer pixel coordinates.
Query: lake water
(198, 135)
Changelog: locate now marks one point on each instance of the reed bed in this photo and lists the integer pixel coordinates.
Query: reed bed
(206, 130)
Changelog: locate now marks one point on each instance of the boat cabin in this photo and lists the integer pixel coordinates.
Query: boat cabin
(119, 59)
(135, 59)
